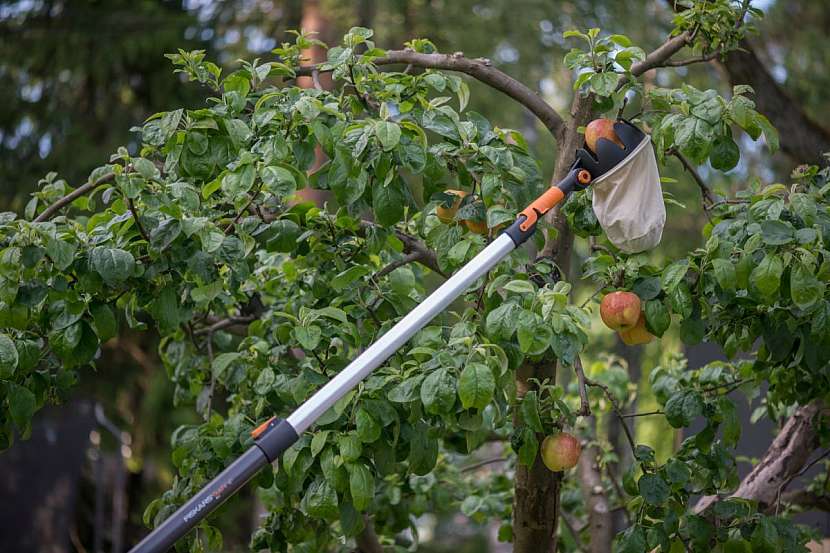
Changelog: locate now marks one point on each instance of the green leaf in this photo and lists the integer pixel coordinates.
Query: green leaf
(438, 392)
(529, 447)
(423, 450)
(725, 154)
(530, 411)
(113, 264)
(106, 326)
(653, 488)
(278, 180)
(265, 382)
(632, 540)
(8, 357)
(284, 237)
(163, 235)
(222, 361)
(146, 168)
(343, 279)
(308, 336)
(406, 391)
(22, 404)
(388, 133)
(657, 317)
(694, 136)
(604, 83)
(777, 233)
(60, 252)
(350, 447)
(725, 274)
(683, 408)
(361, 486)
(367, 428)
(766, 277)
(730, 423)
(320, 500)
(239, 181)
(805, 288)
(648, 288)
(388, 202)
(673, 274)
(476, 386)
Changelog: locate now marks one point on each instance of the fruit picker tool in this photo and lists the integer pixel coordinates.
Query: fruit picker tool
(275, 435)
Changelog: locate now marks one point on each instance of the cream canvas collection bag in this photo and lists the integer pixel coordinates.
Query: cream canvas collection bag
(628, 201)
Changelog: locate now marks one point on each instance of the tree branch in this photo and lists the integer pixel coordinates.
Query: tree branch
(585, 405)
(74, 195)
(708, 198)
(785, 457)
(407, 259)
(367, 540)
(807, 500)
(480, 69)
(691, 61)
(659, 56)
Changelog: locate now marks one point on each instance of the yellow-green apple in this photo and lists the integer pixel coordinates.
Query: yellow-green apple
(637, 334)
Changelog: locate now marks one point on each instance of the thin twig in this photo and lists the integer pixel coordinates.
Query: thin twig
(224, 323)
(243, 210)
(708, 198)
(616, 409)
(134, 211)
(803, 471)
(645, 414)
(483, 463)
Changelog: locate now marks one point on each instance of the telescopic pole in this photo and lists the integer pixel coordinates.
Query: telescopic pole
(274, 436)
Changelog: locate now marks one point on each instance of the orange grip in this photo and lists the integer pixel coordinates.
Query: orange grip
(540, 206)
(257, 432)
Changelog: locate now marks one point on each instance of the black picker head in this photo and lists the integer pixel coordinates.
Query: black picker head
(609, 154)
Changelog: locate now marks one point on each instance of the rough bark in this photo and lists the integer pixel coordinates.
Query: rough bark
(782, 461)
(600, 518)
(536, 498)
(367, 541)
(804, 140)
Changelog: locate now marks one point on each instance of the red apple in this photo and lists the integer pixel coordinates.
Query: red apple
(620, 310)
(601, 128)
(560, 451)
(638, 334)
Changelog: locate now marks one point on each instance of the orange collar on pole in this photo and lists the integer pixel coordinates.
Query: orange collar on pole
(548, 201)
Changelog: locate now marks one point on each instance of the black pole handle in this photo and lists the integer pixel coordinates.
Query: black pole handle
(271, 440)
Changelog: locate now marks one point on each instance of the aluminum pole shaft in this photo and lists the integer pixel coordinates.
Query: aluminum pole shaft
(383, 348)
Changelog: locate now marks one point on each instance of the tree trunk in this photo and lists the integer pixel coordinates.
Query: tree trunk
(600, 518)
(536, 499)
(804, 140)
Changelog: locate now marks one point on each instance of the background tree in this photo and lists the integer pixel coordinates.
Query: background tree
(693, 148)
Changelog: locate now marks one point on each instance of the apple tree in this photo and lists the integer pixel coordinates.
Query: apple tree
(260, 296)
